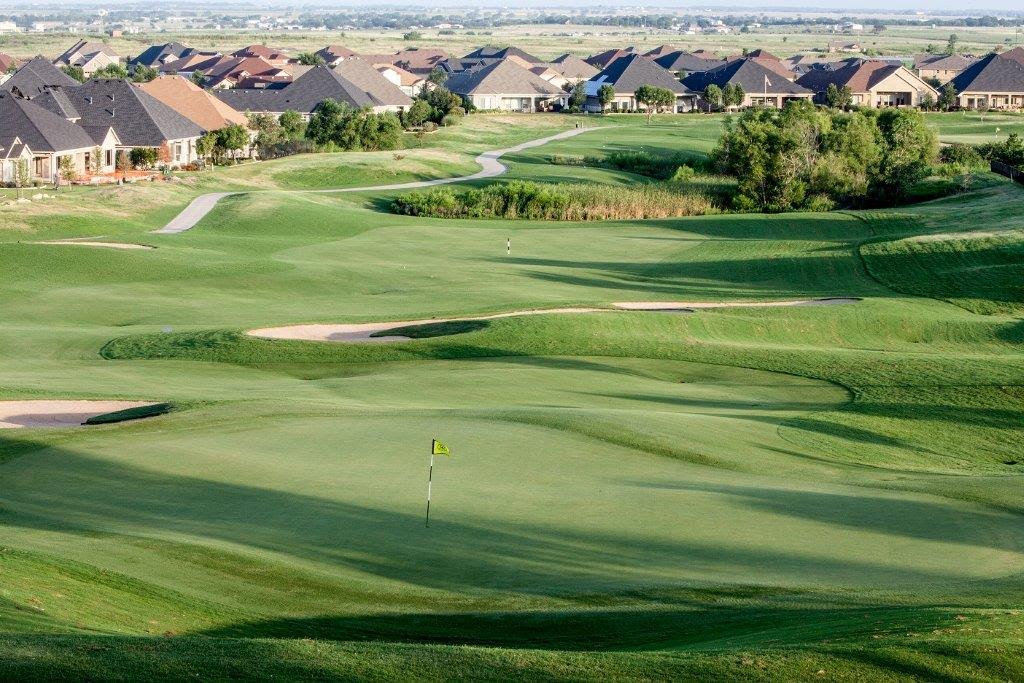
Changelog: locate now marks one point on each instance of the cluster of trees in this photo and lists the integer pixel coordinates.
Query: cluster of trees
(335, 124)
(139, 73)
(219, 144)
(433, 107)
(802, 157)
(730, 96)
(273, 130)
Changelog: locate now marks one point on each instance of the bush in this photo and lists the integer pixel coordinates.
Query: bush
(450, 120)
(565, 202)
(960, 155)
(144, 157)
(568, 160)
(1009, 151)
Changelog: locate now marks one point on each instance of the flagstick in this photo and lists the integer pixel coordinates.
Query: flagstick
(430, 476)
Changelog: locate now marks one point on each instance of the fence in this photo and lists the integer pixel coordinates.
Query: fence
(1011, 172)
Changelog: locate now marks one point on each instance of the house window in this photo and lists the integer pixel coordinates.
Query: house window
(108, 158)
(177, 151)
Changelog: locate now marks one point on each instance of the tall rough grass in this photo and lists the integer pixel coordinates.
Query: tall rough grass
(549, 202)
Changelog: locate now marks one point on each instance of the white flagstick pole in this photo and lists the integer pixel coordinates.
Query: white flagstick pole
(430, 476)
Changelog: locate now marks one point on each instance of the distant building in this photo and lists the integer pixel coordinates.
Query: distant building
(873, 83)
(995, 81)
(943, 68)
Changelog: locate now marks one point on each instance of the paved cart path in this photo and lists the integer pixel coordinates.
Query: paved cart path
(490, 166)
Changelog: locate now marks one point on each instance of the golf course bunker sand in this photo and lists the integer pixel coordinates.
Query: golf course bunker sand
(364, 332)
(88, 243)
(45, 413)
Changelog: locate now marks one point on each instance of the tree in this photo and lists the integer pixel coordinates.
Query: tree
(878, 28)
(578, 98)
(654, 99)
(311, 59)
(143, 157)
(230, 139)
(292, 124)
(952, 43)
(417, 114)
(198, 77)
(443, 102)
(947, 97)
(206, 143)
(909, 149)
(928, 102)
(335, 123)
(412, 35)
(713, 96)
(437, 76)
(838, 97)
(21, 173)
(733, 95)
(74, 71)
(605, 94)
(268, 130)
(113, 70)
(66, 168)
(144, 74)
(96, 160)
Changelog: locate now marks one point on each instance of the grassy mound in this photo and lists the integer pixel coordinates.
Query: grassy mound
(127, 414)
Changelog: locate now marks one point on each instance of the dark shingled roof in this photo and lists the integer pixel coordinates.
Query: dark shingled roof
(155, 55)
(35, 76)
(363, 75)
(993, 73)
(749, 74)
(500, 78)
(626, 74)
(57, 101)
(304, 94)
(943, 62)
(501, 53)
(603, 59)
(41, 130)
(138, 118)
(687, 61)
(860, 74)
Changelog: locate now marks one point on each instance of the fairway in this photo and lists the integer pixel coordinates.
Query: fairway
(647, 480)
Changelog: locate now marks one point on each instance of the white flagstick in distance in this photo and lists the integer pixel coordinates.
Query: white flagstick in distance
(508, 246)
(430, 477)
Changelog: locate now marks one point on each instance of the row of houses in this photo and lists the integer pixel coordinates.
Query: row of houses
(56, 124)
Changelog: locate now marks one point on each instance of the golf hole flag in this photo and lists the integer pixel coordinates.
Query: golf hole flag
(436, 448)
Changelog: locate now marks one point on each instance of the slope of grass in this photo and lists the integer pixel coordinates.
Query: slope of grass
(739, 493)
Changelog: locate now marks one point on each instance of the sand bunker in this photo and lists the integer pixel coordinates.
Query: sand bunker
(362, 332)
(15, 414)
(85, 243)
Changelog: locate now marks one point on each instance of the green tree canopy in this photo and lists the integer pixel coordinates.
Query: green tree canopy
(654, 99)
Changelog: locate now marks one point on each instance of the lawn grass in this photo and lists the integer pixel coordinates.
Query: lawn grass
(745, 493)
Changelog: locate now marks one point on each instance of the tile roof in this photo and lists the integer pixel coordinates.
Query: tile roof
(661, 51)
(35, 76)
(574, 67)
(263, 52)
(943, 62)
(199, 61)
(993, 73)
(861, 75)
(503, 77)
(304, 94)
(626, 74)
(193, 102)
(749, 74)
(603, 59)
(138, 118)
(41, 130)
(6, 62)
(363, 75)
(84, 48)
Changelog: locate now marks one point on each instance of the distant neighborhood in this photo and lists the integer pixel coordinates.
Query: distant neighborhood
(90, 115)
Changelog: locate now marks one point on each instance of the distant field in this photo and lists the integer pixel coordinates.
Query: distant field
(740, 493)
(545, 41)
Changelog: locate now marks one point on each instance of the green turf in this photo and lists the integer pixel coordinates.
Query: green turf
(766, 493)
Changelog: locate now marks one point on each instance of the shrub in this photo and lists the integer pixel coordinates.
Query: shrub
(1009, 151)
(558, 202)
(961, 155)
(450, 120)
(568, 160)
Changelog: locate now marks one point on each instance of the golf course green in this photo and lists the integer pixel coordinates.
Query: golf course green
(772, 492)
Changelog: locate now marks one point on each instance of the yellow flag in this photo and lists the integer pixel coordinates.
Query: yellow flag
(438, 448)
